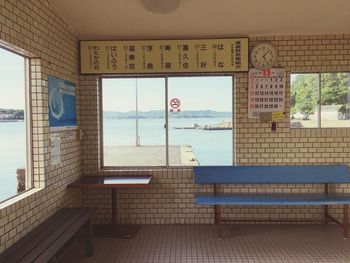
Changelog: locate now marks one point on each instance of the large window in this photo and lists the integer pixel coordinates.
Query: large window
(14, 154)
(320, 100)
(167, 121)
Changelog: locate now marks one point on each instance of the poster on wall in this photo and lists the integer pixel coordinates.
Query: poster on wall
(55, 149)
(266, 92)
(164, 56)
(62, 103)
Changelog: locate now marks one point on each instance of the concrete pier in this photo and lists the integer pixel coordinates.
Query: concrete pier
(149, 155)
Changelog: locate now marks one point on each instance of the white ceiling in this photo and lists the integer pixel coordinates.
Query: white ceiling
(127, 19)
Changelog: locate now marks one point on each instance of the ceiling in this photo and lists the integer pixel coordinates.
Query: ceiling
(127, 19)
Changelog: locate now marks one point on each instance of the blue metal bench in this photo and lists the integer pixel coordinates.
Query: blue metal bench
(325, 175)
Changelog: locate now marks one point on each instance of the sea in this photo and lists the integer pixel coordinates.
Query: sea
(12, 156)
(211, 147)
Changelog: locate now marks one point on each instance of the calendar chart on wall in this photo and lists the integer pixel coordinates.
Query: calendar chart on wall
(266, 92)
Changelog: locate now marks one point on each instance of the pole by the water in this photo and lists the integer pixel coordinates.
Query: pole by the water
(137, 117)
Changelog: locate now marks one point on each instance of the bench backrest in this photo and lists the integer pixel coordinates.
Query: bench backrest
(271, 174)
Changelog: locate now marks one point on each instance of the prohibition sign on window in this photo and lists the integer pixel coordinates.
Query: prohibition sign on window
(175, 105)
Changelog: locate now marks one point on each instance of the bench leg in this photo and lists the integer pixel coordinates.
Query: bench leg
(88, 239)
(325, 207)
(325, 214)
(218, 219)
(345, 221)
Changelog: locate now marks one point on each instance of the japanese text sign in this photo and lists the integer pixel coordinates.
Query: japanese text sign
(164, 56)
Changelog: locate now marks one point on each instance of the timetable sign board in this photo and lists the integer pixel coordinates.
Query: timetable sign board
(164, 56)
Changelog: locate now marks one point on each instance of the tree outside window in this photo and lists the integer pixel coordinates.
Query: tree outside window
(320, 100)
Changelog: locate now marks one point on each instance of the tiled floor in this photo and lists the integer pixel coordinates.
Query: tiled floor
(243, 243)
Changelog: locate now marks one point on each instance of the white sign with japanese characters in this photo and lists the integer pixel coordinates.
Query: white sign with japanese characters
(55, 149)
(266, 92)
(164, 56)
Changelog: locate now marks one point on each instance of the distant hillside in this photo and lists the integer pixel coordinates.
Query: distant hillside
(158, 114)
(11, 114)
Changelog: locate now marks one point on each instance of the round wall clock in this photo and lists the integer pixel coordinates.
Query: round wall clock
(263, 56)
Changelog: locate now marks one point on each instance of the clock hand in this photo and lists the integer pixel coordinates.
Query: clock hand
(266, 54)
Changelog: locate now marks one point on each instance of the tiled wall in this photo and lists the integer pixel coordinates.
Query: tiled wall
(170, 198)
(34, 28)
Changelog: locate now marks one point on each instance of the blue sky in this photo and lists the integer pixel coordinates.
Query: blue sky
(11, 80)
(195, 93)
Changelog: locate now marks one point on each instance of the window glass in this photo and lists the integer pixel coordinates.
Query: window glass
(134, 121)
(13, 131)
(324, 103)
(303, 101)
(135, 118)
(335, 100)
(200, 128)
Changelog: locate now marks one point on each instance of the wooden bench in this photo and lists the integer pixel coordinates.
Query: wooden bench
(324, 175)
(44, 242)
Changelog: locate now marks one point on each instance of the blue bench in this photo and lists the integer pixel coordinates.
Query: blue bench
(324, 175)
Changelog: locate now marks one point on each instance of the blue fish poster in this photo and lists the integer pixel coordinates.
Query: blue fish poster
(62, 103)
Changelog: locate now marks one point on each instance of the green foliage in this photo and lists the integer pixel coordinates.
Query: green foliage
(334, 88)
(304, 93)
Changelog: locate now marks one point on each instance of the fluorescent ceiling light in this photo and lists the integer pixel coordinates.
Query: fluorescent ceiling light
(161, 6)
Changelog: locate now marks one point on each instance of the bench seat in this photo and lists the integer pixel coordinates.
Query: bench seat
(44, 242)
(289, 174)
(278, 175)
(271, 199)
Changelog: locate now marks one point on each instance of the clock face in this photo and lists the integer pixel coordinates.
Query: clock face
(263, 56)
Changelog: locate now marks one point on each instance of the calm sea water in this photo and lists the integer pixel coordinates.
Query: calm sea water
(210, 147)
(12, 156)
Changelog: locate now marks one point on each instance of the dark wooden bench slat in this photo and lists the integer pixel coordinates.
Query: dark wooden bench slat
(52, 236)
(272, 199)
(66, 235)
(26, 243)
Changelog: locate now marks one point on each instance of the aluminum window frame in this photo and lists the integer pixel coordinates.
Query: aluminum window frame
(319, 73)
(28, 122)
(102, 167)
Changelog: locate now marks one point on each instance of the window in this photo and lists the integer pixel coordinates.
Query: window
(14, 154)
(167, 121)
(320, 100)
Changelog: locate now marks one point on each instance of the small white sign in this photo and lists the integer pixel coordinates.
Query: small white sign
(55, 149)
(175, 104)
(70, 135)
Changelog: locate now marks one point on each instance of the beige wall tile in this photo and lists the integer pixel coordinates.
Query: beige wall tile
(36, 28)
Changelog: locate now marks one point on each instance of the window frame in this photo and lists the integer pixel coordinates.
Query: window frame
(166, 77)
(29, 125)
(318, 73)
(28, 122)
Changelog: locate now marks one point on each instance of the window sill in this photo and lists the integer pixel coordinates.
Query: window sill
(19, 197)
(142, 168)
